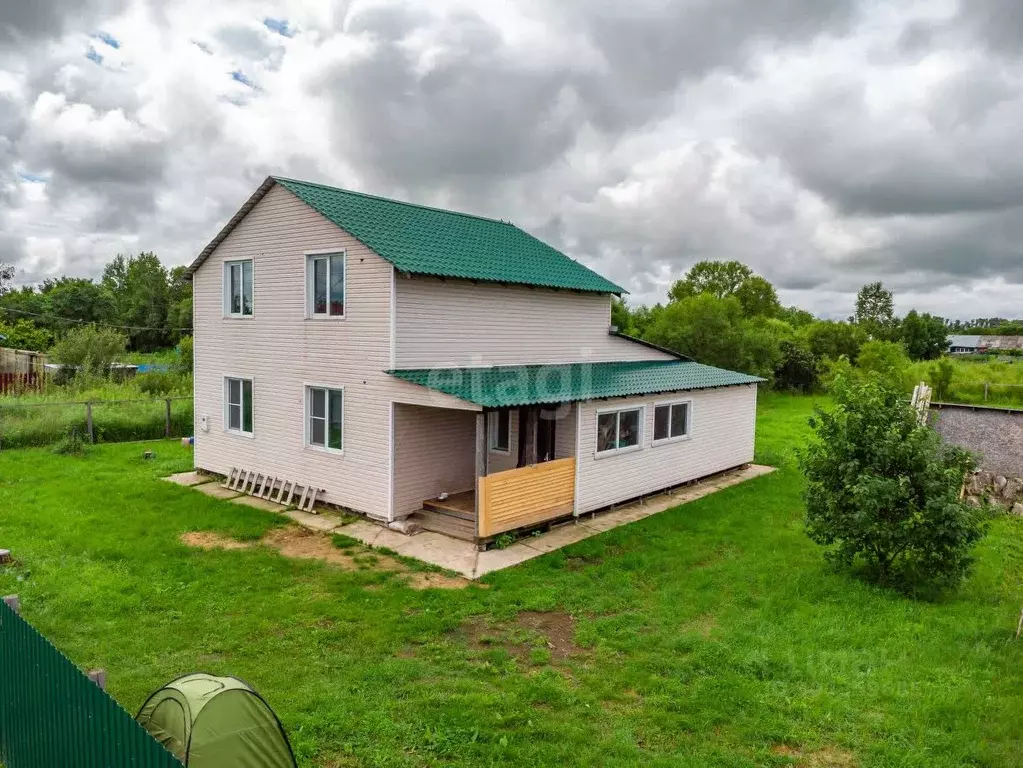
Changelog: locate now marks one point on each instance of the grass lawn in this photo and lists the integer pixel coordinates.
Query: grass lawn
(710, 635)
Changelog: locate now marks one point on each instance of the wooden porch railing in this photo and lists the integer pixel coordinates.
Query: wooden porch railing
(525, 496)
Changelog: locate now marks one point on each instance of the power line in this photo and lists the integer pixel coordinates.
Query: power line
(90, 322)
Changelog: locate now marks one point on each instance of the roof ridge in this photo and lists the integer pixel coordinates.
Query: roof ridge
(408, 203)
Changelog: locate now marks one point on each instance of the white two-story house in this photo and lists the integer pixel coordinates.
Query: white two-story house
(405, 360)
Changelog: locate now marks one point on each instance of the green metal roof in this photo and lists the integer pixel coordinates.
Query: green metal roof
(431, 241)
(512, 385)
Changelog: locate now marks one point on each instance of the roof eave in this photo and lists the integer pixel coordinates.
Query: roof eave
(244, 211)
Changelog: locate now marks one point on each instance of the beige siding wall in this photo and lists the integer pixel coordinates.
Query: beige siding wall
(565, 437)
(434, 452)
(454, 323)
(722, 432)
(282, 351)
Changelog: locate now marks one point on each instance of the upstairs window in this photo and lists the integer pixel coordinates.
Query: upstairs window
(325, 278)
(325, 409)
(619, 430)
(671, 421)
(238, 405)
(238, 288)
(500, 431)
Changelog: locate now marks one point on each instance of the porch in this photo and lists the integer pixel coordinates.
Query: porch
(483, 473)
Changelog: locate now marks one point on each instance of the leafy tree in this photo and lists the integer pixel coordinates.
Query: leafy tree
(6, 276)
(925, 336)
(141, 297)
(22, 334)
(74, 298)
(723, 279)
(940, 376)
(621, 317)
(758, 297)
(179, 303)
(884, 491)
(887, 359)
(798, 370)
(718, 278)
(796, 317)
(643, 319)
(832, 339)
(90, 349)
(701, 326)
(759, 345)
(875, 309)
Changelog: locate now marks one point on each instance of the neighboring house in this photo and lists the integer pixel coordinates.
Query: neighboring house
(972, 345)
(403, 358)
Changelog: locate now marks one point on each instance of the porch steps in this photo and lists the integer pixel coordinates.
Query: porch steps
(455, 526)
(459, 505)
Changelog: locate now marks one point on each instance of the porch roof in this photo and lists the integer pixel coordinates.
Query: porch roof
(507, 386)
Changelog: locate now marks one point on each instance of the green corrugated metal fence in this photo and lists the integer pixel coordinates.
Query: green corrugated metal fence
(53, 716)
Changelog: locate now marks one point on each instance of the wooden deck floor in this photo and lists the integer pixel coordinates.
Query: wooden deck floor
(461, 505)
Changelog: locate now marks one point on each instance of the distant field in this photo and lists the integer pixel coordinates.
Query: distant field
(1004, 380)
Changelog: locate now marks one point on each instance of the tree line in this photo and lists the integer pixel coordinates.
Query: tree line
(721, 313)
(136, 295)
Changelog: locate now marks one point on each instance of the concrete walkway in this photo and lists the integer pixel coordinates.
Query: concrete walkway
(462, 557)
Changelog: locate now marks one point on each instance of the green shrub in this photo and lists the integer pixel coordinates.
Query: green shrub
(90, 349)
(884, 491)
(887, 359)
(74, 443)
(163, 383)
(185, 362)
(799, 369)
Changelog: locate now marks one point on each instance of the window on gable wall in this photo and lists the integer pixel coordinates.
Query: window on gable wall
(325, 276)
(238, 288)
(671, 421)
(238, 405)
(619, 430)
(325, 408)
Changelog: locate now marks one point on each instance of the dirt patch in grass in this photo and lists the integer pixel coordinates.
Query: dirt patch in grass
(826, 757)
(209, 540)
(546, 632)
(301, 544)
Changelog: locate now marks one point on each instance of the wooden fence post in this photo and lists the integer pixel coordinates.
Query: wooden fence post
(985, 391)
(13, 603)
(167, 420)
(88, 421)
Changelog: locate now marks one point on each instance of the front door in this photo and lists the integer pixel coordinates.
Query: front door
(545, 433)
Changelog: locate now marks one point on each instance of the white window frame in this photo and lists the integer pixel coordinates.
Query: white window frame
(492, 432)
(227, 405)
(670, 438)
(308, 388)
(621, 409)
(226, 280)
(310, 258)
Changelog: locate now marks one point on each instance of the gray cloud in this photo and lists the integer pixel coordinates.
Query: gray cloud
(823, 142)
(29, 20)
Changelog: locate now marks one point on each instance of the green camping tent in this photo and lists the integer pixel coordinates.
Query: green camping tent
(216, 722)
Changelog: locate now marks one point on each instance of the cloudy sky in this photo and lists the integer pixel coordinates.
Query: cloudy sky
(825, 143)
